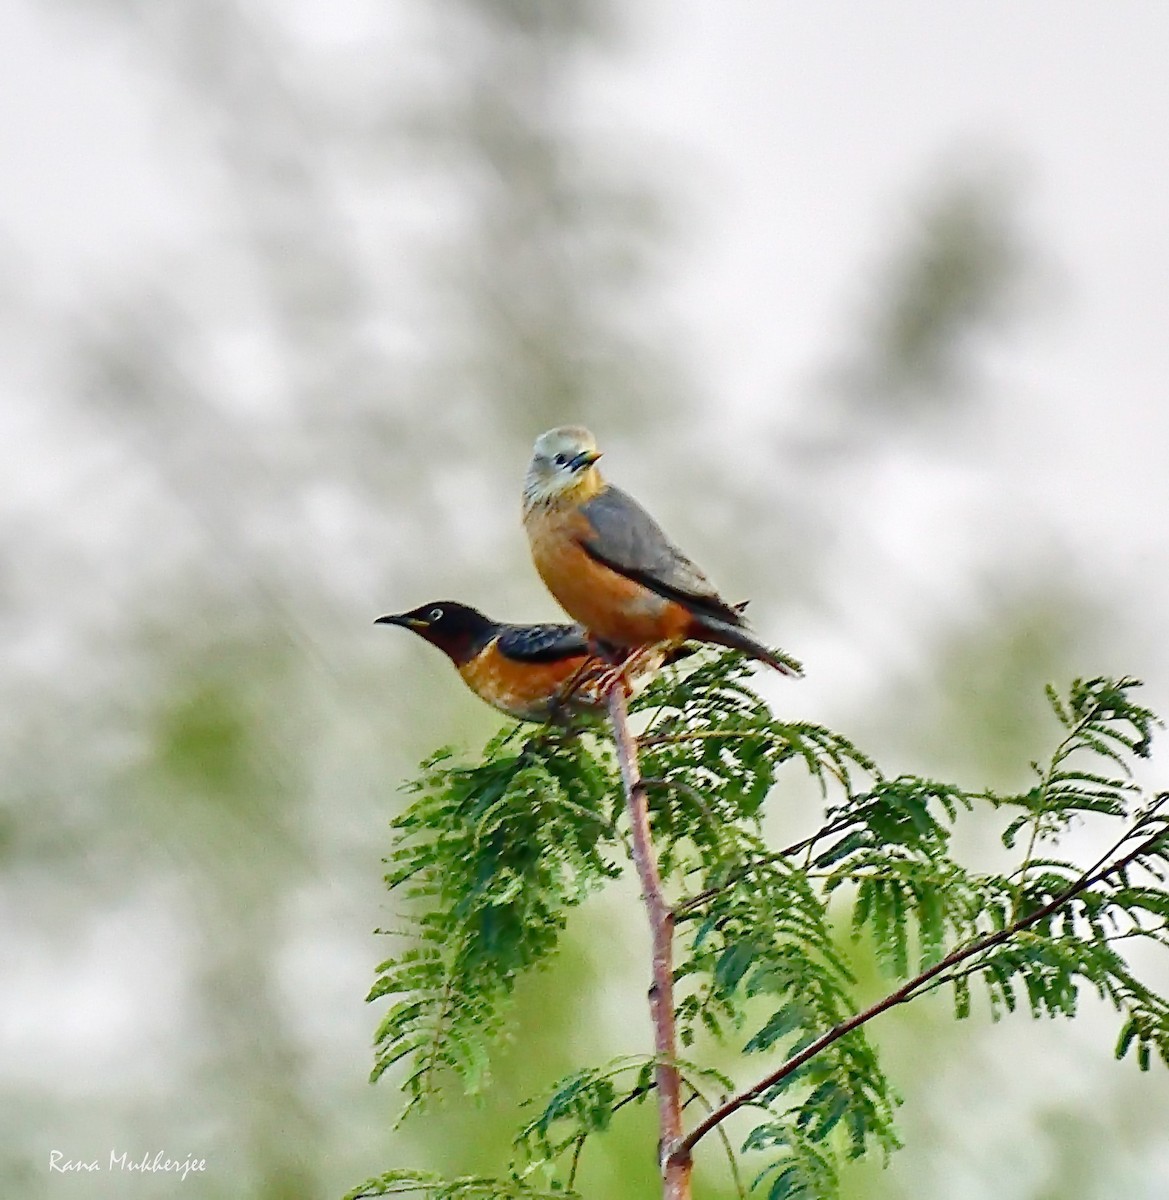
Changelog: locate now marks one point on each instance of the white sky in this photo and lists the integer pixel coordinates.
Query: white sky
(796, 136)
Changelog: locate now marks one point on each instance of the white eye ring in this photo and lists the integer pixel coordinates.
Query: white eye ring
(435, 614)
(560, 460)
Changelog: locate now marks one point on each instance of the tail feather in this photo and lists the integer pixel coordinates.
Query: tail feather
(722, 633)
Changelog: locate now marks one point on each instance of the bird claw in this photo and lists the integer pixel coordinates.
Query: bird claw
(621, 672)
(605, 667)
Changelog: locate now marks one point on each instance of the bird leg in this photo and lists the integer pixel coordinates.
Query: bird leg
(622, 667)
(578, 678)
(604, 668)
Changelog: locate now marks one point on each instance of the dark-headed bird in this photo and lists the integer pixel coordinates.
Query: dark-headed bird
(530, 672)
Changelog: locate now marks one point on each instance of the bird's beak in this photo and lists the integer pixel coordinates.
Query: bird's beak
(403, 619)
(585, 458)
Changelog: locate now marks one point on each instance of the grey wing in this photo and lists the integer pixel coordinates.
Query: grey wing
(628, 540)
(542, 643)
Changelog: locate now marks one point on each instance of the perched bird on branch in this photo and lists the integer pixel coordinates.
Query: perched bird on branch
(530, 672)
(610, 565)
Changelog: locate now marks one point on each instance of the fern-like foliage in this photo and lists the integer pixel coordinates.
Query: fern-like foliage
(470, 1187)
(489, 859)
(582, 1104)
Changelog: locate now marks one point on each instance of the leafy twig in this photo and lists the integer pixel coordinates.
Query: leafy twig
(687, 906)
(909, 990)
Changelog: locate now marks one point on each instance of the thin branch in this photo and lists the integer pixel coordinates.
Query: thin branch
(675, 1161)
(699, 735)
(686, 907)
(909, 991)
(636, 1094)
(1147, 818)
(1057, 760)
(728, 1149)
(695, 796)
(825, 765)
(578, 1144)
(580, 1141)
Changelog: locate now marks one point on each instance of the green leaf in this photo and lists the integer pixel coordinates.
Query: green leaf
(782, 1022)
(732, 965)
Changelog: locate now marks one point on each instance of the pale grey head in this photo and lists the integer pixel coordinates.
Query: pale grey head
(562, 463)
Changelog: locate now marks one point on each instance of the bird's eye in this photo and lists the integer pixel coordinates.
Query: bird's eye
(435, 614)
(561, 459)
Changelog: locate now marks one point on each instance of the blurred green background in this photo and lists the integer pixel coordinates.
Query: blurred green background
(867, 303)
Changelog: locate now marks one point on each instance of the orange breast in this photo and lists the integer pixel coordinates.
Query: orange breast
(536, 691)
(526, 691)
(610, 606)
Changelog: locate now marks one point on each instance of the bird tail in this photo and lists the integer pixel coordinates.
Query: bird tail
(722, 633)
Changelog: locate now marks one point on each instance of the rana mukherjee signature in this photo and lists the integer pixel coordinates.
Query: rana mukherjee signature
(122, 1160)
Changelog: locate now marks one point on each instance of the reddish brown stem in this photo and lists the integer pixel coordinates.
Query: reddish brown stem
(675, 1161)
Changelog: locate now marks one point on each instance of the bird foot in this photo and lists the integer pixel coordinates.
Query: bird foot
(621, 672)
(605, 667)
(584, 673)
